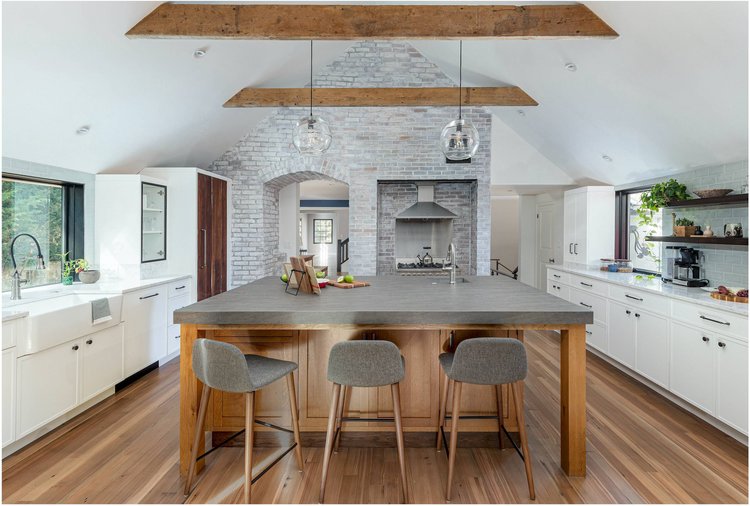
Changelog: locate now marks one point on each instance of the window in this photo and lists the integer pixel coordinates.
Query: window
(52, 212)
(631, 238)
(322, 231)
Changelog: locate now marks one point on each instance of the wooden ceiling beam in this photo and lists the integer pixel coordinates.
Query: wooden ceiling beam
(364, 22)
(379, 97)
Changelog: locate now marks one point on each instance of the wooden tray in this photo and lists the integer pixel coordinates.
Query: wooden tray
(729, 298)
(356, 284)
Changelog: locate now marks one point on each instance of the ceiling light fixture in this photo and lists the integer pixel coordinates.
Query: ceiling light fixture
(200, 52)
(571, 67)
(606, 158)
(83, 130)
(312, 136)
(459, 139)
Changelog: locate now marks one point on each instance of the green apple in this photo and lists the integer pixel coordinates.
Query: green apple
(320, 274)
(284, 278)
(349, 278)
(340, 279)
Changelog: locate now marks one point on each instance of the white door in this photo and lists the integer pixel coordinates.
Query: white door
(652, 347)
(731, 403)
(692, 365)
(47, 385)
(102, 361)
(9, 395)
(545, 242)
(569, 227)
(622, 328)
(145, 315)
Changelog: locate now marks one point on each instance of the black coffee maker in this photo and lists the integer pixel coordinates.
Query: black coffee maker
(687, 268)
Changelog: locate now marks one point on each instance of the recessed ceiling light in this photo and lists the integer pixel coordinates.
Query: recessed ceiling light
(521, 112)
(83, 130)
(606, 158)
(571, 67)
(200, 52)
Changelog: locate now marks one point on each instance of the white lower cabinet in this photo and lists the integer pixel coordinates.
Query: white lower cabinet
(9, 395)
(692, 373)
(731, 399)
(102, 361)
(622, 329)
(652, 347)
(596, 337)
(47, 385)
(145, 315)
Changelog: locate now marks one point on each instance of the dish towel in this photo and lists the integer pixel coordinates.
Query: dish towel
(100, 311)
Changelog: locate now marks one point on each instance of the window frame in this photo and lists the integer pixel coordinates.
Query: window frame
(73, 227)
(315, 231)
(622, 235)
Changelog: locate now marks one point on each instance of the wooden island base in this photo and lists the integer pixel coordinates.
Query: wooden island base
(309, 346)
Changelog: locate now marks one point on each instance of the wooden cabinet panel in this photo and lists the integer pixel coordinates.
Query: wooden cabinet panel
(272, 401)
(218, 236)
(204, 236)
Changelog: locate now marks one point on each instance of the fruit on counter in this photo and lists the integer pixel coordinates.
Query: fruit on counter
(742, 293)
(349, 278)
(320, 274)
(340, 279)
(284, 278)
(723, 290)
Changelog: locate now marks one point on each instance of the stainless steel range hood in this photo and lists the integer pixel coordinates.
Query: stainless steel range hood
(426, 208)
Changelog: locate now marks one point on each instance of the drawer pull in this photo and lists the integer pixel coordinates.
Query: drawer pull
(180, 287)
(722, 345)
(148, 296)
(715, 321)
(585, 305)
(705, 339)
(75, 348)
(627, 311)
(89, 341)
(588, 332)
(177, 336)
(557, 287)
(637, 315)
(556, 276)
(586, 284)
(634, 298)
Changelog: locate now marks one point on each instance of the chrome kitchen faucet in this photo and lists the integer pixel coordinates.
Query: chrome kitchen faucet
(450, 262)
(15, 289)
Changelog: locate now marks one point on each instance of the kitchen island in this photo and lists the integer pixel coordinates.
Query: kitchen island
(421, 315)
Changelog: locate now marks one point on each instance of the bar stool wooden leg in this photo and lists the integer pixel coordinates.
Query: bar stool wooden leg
(339, 419)
(196, 439)
(295, 419)
(396, 397)
(524, 441)
(249, 421)
(441, 417)
(455, 413)
(329, 440)
(500, 414)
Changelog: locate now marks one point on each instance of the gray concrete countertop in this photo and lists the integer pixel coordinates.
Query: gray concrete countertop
(398, 300)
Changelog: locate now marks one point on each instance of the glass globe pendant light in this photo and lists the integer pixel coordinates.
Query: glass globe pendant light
(312, 136)
(459, 139)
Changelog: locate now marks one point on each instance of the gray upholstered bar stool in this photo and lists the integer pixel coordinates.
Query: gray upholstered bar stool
(484, 361)
(369, 363)
(223, 366)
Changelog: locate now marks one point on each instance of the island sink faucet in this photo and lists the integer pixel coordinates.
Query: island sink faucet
(15, 288)
(450, 262)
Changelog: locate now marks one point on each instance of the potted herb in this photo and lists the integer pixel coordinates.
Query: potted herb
(71, 268)
(658, 196)
(683, 227)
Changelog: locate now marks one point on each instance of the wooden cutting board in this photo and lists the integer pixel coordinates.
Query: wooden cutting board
(355, 284)
(729, 298)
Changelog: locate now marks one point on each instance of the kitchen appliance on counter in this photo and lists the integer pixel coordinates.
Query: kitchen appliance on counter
(687, 268)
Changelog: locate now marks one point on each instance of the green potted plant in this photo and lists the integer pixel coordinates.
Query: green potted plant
(658, 196)
(683, 227)
(71, 268)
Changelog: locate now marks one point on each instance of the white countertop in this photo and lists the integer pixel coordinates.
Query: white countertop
(656, 285)
(14, 309)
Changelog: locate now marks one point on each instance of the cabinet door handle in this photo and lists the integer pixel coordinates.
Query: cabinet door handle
(570, 248)
(584, 305)
(180, 287)
(588, 332)
(149, 296)
(627, 311)
(705, 339)
(89, 341)
(586, 284)
(634, 298)
(715, 321)
(722, 345)
(637, 315)
(75, 348)
(177, 336)
(558, 288)
(205, 250)
(575, 248)
(556, 276)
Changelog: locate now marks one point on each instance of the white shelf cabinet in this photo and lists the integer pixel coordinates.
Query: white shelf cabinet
(588, 224)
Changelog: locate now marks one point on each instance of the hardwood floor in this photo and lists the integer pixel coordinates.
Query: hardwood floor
(641, 448)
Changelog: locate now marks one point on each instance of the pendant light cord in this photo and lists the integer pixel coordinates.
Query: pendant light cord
(460, 75)
(311, 77)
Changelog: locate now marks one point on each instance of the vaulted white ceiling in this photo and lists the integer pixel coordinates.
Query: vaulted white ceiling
(669, 94)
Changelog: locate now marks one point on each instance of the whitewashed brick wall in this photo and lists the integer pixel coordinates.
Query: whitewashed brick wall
(370, 144)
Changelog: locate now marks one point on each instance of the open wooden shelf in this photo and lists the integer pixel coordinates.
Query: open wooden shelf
(726, 200)
(734, 241)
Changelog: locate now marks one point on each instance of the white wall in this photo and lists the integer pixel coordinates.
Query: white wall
(504, 230)
(289, 242)
(527, 239)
